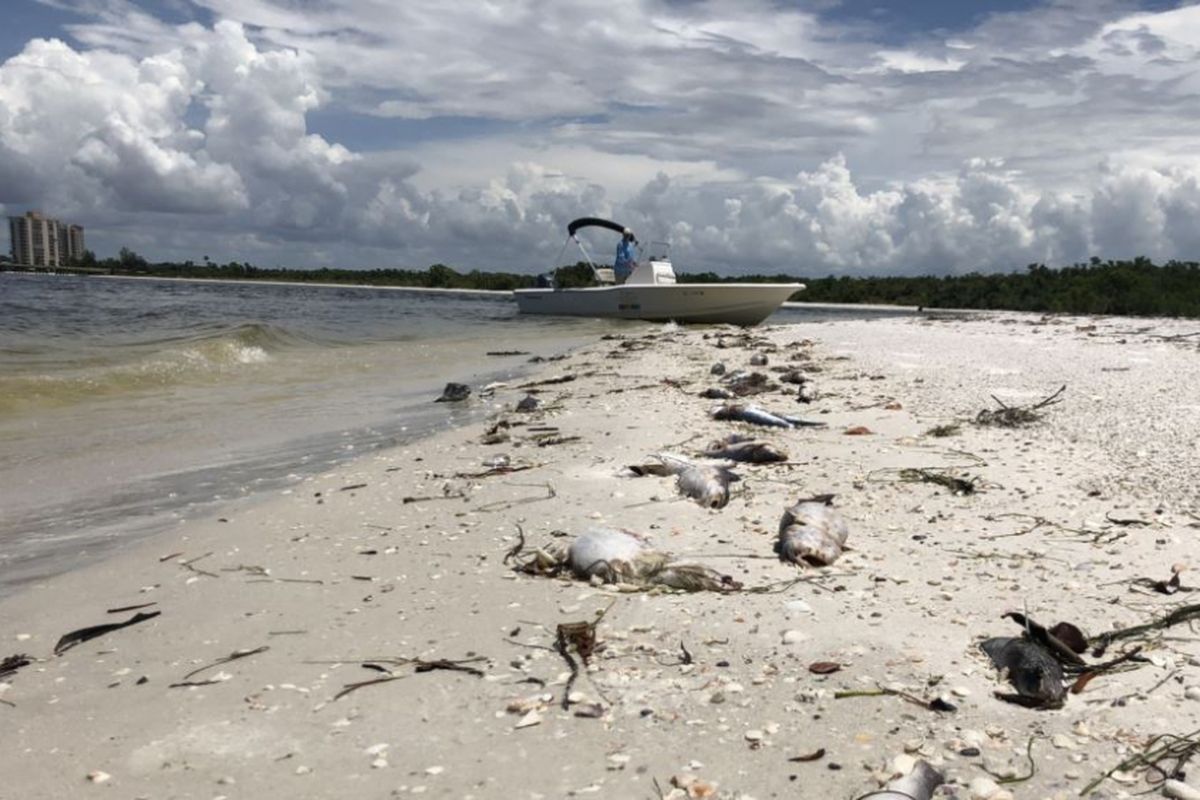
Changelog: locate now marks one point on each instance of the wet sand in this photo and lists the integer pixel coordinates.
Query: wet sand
(397, 560)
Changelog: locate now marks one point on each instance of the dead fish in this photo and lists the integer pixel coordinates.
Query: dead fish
(695, 578)
(454, 392)
(759, 416)
(528, 403)
(748, 452)
(616, 556)
(717, 369)
(813, 532)
(744, 384)
(717, 393)
(916, 785)
(707, 485)
(664, 465)
(1031, 668)
(610, 554)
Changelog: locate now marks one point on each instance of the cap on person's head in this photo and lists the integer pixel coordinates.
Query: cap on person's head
(628, 232)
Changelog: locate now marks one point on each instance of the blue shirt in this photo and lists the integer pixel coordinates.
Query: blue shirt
(626, 254)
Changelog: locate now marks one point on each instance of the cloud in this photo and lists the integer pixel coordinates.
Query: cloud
(754, 137)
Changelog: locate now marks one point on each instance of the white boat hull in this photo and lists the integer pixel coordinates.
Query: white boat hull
(732, 303)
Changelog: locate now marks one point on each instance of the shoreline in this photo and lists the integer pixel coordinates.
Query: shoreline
(307, 283)
(790, 304)
(399, 555)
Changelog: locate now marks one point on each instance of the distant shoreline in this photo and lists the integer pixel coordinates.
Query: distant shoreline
(306, 283)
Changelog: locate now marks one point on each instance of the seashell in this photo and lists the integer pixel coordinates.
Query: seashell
(812, 531)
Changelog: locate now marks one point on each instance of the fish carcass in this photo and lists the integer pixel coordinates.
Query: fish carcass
(812, 531)
(1031, 668)
(758, 416)
(707, 484)
(744, 449)
(614, 556)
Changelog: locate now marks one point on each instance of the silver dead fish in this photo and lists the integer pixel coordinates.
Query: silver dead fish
(759, 416)
(707, 484)
(616, 556)
(813, 532)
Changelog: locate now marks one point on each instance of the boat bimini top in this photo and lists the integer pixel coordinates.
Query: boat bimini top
(656, 269)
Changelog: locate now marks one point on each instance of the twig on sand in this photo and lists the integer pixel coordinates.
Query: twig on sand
(234, 656)
(1016, 416)
(1166, 747)
(1179, 616)
(189, 566)
(550, 381)
(419, 665)
(1002, 779)
(1124, 522)
(779, 587)
(580, 636)
(936, 704)
(504, 505)
(942, 476)
(503, 470)
(1099, 537)
(516, 549)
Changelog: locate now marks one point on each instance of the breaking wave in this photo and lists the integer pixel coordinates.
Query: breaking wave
(109, 371)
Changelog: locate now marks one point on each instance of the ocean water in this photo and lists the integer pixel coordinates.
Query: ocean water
(128, 405)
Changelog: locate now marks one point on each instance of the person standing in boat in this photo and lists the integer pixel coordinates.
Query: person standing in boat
(626, 261)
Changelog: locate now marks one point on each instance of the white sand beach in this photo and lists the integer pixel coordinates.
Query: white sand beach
(398, 561)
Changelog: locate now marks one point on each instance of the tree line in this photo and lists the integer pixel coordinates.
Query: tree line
(1131, 287)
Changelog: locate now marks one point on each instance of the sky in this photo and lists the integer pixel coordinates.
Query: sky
(809, 137)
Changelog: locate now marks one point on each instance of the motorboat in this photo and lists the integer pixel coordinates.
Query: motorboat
(652, 293)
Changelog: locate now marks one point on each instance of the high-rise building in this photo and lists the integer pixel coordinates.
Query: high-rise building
(39, 241)
(70, 247)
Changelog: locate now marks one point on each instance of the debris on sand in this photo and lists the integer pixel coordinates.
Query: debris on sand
(82, 635)
(527, 404)
(919, 784)
(812, 531)
(1015, 416)
(454, 393)
(11, 664)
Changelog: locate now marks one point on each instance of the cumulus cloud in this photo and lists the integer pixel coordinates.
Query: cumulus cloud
(753, 137)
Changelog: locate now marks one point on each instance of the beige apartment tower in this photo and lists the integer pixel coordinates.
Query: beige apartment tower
(39, 241)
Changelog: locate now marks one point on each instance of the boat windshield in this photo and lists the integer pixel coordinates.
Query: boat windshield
(658, 251)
